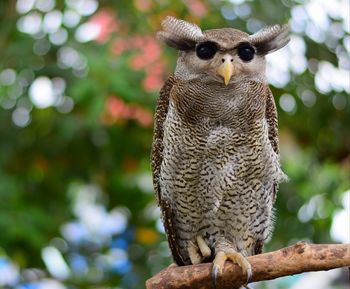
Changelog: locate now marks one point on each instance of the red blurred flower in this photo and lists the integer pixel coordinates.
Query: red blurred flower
(152, 83)
(149, 52)
(147, 57)
(119, 46)
(143, 5)
(116, 110)
(106, 20)
(196, 7)
(138, 62)
(143, 116)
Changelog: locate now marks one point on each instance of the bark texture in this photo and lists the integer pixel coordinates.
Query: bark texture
(301, 257)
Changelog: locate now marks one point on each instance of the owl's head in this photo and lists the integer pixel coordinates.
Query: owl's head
(221, 55)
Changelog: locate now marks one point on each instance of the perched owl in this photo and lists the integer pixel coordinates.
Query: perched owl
(215, 157)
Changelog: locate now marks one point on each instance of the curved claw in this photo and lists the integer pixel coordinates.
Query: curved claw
(218, 265)
(214, 274)
(235, 257)
(249, 272)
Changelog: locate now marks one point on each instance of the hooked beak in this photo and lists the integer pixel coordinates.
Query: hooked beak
(226, 68)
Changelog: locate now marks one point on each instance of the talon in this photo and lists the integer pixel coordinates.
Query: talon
(214, 274)
(235, 257)
(218, 265)
(249, 274)
(245, 287)
(243, 263)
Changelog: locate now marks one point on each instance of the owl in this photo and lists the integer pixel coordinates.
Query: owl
(215, 156)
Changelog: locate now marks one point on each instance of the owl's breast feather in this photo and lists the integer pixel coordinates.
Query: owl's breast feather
(235, 106)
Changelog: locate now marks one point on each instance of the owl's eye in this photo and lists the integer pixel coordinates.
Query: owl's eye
(246, 52)
(206, 50)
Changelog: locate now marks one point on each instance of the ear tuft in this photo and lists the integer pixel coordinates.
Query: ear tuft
(270, 38)
(174, 42)
(180, 34)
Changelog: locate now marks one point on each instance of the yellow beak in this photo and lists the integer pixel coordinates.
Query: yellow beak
(226, 70)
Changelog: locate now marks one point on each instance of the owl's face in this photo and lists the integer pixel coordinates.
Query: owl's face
(223, 55)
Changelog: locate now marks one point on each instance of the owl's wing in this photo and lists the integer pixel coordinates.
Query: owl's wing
(271, 117)
(156, 161)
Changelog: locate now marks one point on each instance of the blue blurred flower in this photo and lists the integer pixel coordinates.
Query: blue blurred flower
(78, 264)
(9, 272)
(119, 243)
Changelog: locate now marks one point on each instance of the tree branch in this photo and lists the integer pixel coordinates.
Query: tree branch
(301, 257)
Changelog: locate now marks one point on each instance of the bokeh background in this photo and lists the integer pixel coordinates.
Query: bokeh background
(78, 85)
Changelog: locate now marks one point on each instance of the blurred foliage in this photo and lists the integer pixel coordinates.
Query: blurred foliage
(100, 69)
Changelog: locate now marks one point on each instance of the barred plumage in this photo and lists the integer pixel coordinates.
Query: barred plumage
(215, 157)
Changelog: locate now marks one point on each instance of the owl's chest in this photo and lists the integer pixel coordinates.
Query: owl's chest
(211, 107)
(214, 132)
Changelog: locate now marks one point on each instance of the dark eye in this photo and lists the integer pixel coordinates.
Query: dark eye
(206, 50)
(246, 52)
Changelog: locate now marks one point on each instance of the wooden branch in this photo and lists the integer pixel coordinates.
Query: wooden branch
(301, 257)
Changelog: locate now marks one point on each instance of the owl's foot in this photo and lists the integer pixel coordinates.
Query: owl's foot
(235, 257)
(198, 250)
(203, 247)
